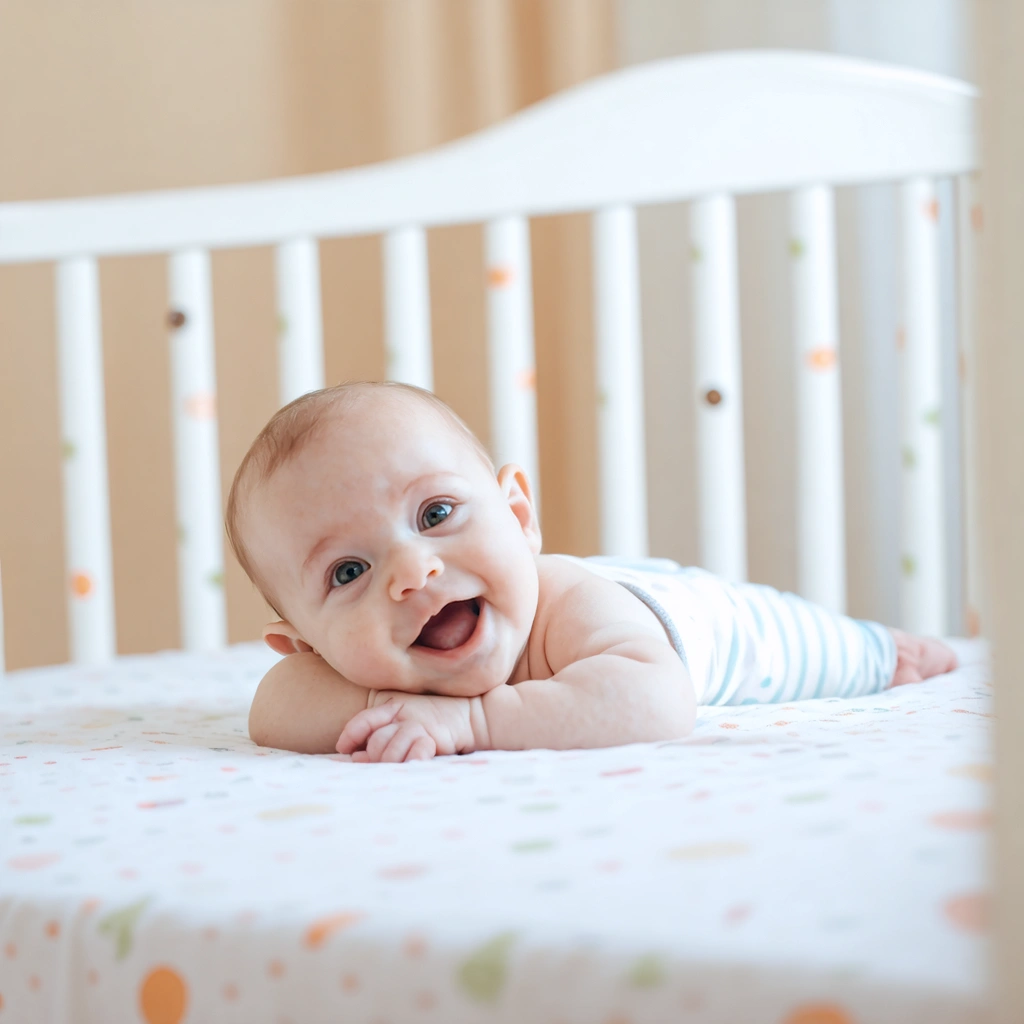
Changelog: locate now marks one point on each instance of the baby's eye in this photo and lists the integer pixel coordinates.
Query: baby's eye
(434, 515)
(347, 571)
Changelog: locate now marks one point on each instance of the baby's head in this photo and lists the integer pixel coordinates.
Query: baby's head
(372, 521)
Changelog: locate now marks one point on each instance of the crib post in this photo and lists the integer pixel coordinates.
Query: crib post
(90, 580)
(197, 459)
(300, 331)
(620, 399)
(513, 374)
(924, 575)
(407, 307)
(820, 514)
(721, 485)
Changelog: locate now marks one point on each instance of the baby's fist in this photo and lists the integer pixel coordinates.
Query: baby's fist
(375, 735)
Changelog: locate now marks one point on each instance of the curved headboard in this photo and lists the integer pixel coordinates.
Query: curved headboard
(670, 130)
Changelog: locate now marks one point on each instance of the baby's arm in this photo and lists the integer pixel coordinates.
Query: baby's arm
(614, 679)
(302, 704)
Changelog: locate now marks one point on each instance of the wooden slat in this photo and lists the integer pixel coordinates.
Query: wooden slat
(924, 570)
(90, 577)
(620, 390)
(720, 460)
(513, 373)
(407, 307)
(968, 224)
(197, 461)
(821, 526)
(300, 330)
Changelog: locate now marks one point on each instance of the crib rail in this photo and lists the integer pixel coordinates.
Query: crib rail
(703, 129)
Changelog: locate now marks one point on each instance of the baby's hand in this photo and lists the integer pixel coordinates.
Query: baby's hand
(920, 657)
(408, 727)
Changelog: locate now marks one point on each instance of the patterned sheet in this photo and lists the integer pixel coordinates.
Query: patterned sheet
(813, 863)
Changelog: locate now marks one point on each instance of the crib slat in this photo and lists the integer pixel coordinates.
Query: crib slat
(968, 224)
(407, 307)
(924, 581)
(820, 513)
(620, 389)
(300, 330)
(720, 458)
(86, 497)
(197, 460)
(513, 374)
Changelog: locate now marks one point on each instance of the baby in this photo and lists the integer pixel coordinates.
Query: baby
(421, 618)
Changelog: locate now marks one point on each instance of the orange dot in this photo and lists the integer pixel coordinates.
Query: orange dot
(499, 277)
(89, 906)
(426, 1000)
(728, 725)
(201, 406)
(35, 983)
(52, 929)
(977, 218)
(526, 380)
(11, 950)
(81, 584)
(973, 622)
(350, 983)
(415, 946)
(821, 359)
(276, 969)
(230, 991)
(1, 1002)
(931, 210)
(320, 931)
(819, 1013)
(93, 976)
(968, 912)
(963, 821)
(163, 996)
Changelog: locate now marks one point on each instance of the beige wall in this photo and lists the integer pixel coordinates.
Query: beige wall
(114, 96)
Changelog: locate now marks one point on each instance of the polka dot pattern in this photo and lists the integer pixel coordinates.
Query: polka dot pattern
(755, 871)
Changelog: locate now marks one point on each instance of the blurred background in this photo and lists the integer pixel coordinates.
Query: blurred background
(115, 96)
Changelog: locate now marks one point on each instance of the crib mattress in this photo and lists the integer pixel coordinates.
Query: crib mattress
(813, 863)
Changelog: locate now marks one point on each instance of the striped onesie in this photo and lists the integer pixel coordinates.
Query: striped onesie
(748, 644)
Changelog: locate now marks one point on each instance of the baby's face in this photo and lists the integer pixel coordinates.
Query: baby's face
(395, 553)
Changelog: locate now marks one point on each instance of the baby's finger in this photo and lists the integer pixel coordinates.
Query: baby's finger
(422, 750)
(361, 757)
(401, 743)
(360, 727)
(378, 742)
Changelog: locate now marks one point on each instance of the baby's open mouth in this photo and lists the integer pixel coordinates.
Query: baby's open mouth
(451, 627)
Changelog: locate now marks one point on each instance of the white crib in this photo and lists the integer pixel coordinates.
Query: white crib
(702, 129)
(813, 864)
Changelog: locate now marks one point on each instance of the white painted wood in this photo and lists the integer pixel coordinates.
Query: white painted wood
(620, 395)
(407, 307)
(754, 122)
(721, 478)
(512, 368)
(300, 330)
(90, 574)
(821, 522)
(196, 455)
(924, 575)
(968, 225)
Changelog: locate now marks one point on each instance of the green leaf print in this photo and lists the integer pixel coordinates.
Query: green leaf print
(482, 975)
(647, 972)
(121, 925)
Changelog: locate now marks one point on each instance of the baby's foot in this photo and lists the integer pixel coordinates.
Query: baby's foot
(920, 657)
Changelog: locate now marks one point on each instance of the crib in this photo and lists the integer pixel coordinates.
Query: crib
(570, 904)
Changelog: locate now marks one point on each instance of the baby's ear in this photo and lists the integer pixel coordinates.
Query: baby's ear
(515, 486)
(284, 638)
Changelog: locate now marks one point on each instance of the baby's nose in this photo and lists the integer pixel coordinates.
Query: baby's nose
(412, 568)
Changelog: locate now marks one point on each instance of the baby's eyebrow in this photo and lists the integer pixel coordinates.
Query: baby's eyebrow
(316, 552)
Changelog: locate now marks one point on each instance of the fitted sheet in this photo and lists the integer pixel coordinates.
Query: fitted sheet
(811, 863)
